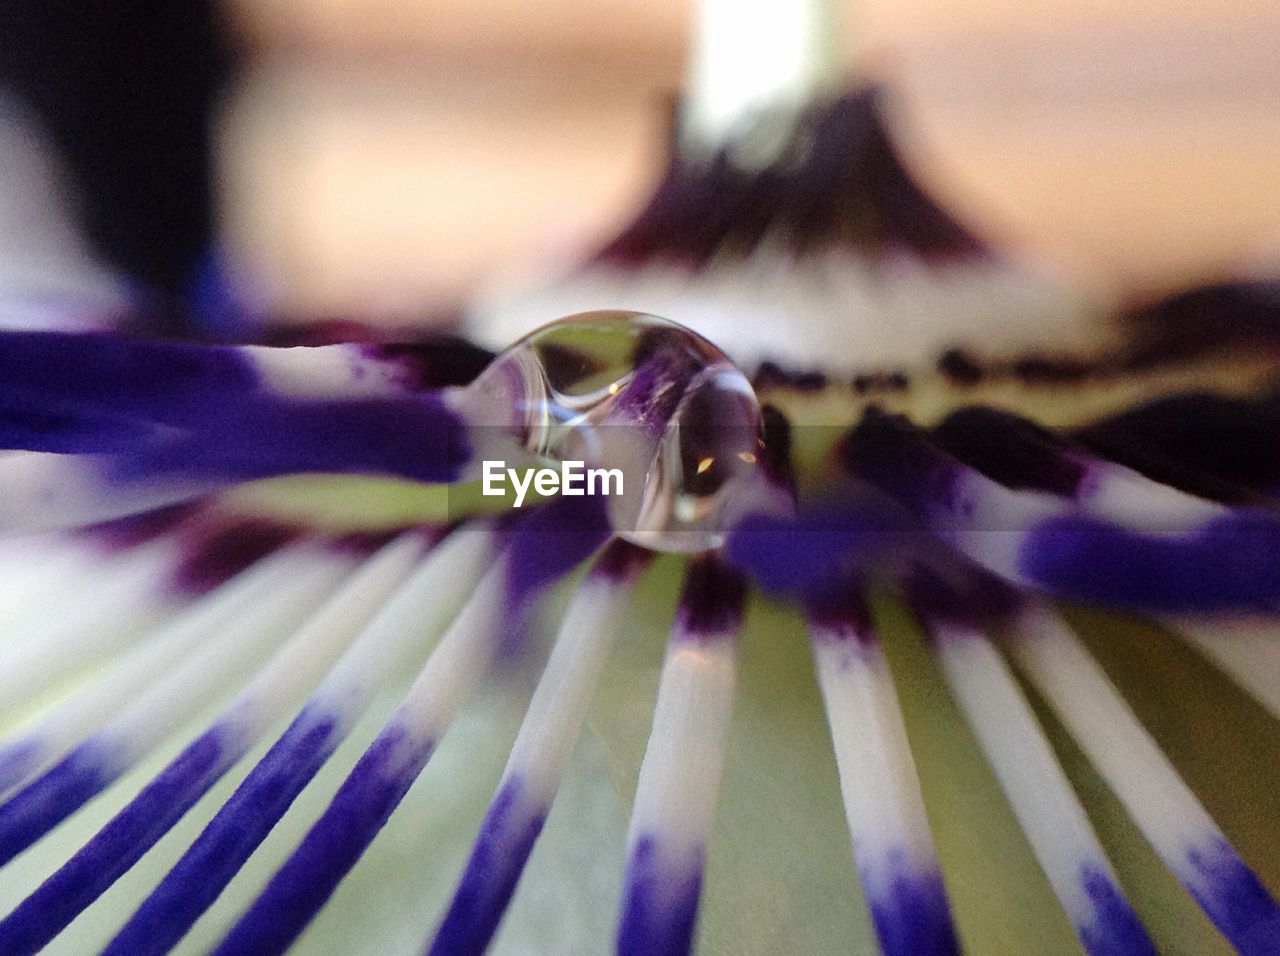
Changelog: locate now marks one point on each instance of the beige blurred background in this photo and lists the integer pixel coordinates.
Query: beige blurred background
(380, 156)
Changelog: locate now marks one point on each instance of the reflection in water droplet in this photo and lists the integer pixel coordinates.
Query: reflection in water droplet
(640, 394)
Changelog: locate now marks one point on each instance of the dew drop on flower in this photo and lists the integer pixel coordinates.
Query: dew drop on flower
(641, 395)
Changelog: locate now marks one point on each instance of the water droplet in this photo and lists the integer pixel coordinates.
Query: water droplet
(640, 394)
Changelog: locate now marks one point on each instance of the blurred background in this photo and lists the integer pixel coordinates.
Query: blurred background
(384, 157)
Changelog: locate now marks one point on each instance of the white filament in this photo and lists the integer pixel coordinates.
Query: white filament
(679, 781)
(559, 705)
(99, 614)
(229, 609)
(300, 577)
(1046, 808)
(416, 612)
(1247, 650)
(878, 780)
(1162, 806)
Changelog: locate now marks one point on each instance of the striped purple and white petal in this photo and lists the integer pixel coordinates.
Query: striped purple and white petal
(412, 614)
(538, 551)
(100, 426)
(135, 575)
(1164, 808)
(892, 844)
(152, 423)
(1038, 791)
(221, 641)
(1097, 533)
(275, 689)
(540, 753)
(679, 781)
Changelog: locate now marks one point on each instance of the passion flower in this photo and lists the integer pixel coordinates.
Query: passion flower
(243, 623)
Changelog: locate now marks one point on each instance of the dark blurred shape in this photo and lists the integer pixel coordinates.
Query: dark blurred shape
(1219, 446)
(840, 183)
(125, 88)
(1204, 318)
(960, 367)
